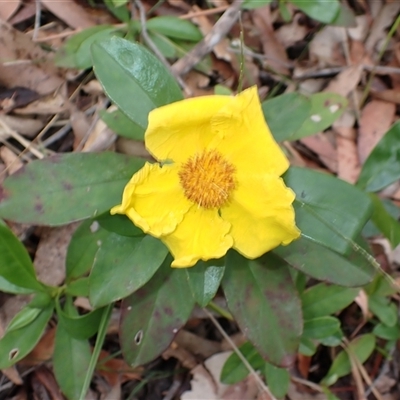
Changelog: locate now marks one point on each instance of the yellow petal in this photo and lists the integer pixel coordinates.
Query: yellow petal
(179, 130)
(153, 199)
(247, 141)
(202, 235)
(261, 215)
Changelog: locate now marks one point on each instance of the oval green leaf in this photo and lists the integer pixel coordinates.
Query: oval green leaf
(71, 360)
(66, 187)
(306, 255)
(382, 167)
(134, 79)
(123, 265)
(264, 284)
(17, 343)
(15, 264)
(83, 247)
(320, 10)
(152, 316)
(321, 327)
(322, 300)
(361, 347)
(276, 113)
(328, 210)
(204, 280)
(174, 27)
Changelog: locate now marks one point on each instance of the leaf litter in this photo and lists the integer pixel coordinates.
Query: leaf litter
(46, 109)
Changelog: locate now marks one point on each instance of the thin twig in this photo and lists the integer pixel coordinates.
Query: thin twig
(257, 378)
(29, 146)
(153, 47)
(205, 46)
(210, 11)
(37, 19)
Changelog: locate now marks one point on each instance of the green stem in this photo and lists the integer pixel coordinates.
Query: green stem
(241, 57)
(219, 310)
(392, 31)
(97, 348)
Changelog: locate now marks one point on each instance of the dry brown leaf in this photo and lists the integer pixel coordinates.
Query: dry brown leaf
(289, 34)
(246, 389)
(50, 256)
(196, 344)
(115, 370)
(43, 351)
(325, 47)
(390, 95)
(100, 138)
(220, 49)
(71, 13)
(277, 57)
(376, 118)
(27, 11)
(28, 127)
(187, 359)
(42, 379)
(132, 147)
(323, 147)
(347, 154)
(378, 31)
(11, 160)
(8, 9)
(360, 31)
(362, 301)
(205, 383)
(51, 104)
(345, 82)
(23, 63)
(295, 393)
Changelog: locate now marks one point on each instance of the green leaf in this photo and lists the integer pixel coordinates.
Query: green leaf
(118, 9)
(387, 332)
(204, 280)
(23, 318)
(322, 300)
(320, 10)
(76, 51)
(326, 108)
(123, 265)
(70, 362)
(118, 122)
(79, 326)
(134, 79)
(15, 264)
(8, 287)
(17, 343)
(389, 226)
(276, 113)
(251, 4)
(316, 260)
(264, 285)
(82, 249)
(66, 187)
(152, 316)
(78, 288)
(234, 370)
(329, 211)
(345, 17)
(382, 167)
(119, 224)
(362, 347)
(383, 309)
(307, 347)
(321, 327)
(174, 27)
(278, 380)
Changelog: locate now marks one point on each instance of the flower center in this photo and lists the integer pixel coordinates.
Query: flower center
(207, 179)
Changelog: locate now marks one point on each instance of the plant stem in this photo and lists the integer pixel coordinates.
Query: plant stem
(219, 310)
(97, 348)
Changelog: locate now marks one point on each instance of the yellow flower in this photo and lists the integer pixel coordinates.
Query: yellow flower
(218, 183)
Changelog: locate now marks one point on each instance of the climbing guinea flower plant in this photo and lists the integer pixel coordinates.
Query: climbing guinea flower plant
(219, 197)
(217, 182)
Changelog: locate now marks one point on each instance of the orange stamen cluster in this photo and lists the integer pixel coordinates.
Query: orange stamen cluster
(207, 179)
